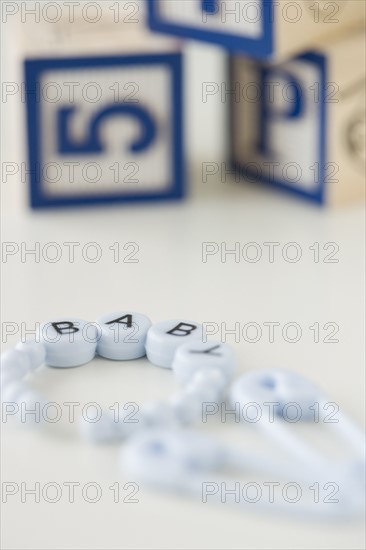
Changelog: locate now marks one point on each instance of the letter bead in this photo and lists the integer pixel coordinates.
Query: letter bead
(192, 357)
(164, 338)
(122, 335)
(69, 342)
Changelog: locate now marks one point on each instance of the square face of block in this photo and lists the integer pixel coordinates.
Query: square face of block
(104, 129)
(278, 123)
(245, 26)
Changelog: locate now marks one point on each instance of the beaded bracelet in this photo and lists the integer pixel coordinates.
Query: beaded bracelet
(178, 459)
(203, 369)
(184, 460)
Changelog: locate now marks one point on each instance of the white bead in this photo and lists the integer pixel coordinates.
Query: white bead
(157, 413)
(294, 388)
(29, 397)
(125, 338)
(164, 338)
(106, 429)
(201, 392)
(171, 459)
(35, 351)
(276, 386)
(15, 361)
(8, 377)
(69, 342)
(12, 391)
(198, 356)
(187, 408)
(213, 378)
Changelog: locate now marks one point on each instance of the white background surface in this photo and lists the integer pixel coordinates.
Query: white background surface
(170, 280)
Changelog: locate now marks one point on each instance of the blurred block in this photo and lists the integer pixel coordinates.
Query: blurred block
(97, 147)
(300, 125)
(257, 28)
(88, 28)
(104, 110)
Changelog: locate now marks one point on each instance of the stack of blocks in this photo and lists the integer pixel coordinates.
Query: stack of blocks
(297, 75)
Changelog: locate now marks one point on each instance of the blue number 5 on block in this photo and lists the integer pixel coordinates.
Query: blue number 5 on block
(109, 149)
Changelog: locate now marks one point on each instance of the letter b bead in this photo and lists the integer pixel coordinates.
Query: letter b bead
(164, 338)
(68, 342)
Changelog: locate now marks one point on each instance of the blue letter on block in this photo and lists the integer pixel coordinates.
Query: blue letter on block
(294, 108)
(285, 134)
(242, 26)
(120, 142)
(209, 6)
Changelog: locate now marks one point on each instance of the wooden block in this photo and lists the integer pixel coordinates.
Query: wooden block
(104, 110)
(270, 29)
(300, 125)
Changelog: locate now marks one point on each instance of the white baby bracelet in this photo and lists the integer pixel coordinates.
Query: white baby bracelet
(176, 458)
(203, 369)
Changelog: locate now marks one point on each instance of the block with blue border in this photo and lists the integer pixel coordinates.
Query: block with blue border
(263, 29)
(103, 129)
(299, 126)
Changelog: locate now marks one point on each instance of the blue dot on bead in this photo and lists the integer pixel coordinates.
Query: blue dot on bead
(269, 383)
(157, 447)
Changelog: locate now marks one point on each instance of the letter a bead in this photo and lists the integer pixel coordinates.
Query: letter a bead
(122, 335)
(69, 342)
(164, 338)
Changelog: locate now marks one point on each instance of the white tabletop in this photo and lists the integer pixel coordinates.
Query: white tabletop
(170, 280)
